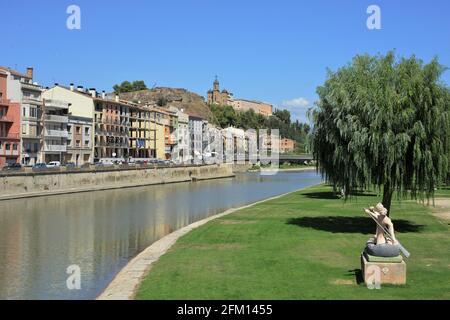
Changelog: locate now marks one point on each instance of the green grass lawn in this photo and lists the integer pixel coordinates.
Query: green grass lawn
(305, 245)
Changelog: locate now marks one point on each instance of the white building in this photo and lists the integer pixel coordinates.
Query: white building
(234, 144)
(196, 138)
(183, 137)
(212, 143)
(54, 133)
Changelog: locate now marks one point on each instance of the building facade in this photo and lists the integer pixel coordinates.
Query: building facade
(212, 143)
(183, 138)
(9, 124)
(54, 120)
(287, 145)
(234, 144)
(215, 96)
(262, 108)
(112, 121)
(79, 140)
(225, 98)
(142, 133)
(196, 138)
(80, 127)
(22, 90)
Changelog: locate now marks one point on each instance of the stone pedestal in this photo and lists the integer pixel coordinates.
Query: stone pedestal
(390, 273)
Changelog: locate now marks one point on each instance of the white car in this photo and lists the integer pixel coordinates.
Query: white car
(54, 164)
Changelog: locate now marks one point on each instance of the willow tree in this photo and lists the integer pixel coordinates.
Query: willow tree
(384, 122)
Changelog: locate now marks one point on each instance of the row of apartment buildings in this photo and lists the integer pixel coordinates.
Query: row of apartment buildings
(73, 124)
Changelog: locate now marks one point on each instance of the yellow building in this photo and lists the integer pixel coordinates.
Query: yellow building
(155, 128)
(142, 136)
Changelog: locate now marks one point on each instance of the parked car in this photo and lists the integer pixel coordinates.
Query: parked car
(131, 163)
(12, 167)
(39, 166)
(105, 163)
(70, 165)
(54, 164)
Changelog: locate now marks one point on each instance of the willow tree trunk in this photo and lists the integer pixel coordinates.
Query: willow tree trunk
(387, 197)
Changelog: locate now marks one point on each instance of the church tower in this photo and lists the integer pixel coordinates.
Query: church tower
(217, 97)
(216, 85)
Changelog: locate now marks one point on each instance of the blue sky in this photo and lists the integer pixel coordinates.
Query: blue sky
(275, 51)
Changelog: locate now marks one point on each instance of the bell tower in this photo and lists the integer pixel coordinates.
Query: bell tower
(216, 85)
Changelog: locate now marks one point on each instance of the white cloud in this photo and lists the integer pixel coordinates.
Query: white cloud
(297, 102)
(298, 108)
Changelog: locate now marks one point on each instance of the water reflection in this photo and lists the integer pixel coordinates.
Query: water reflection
(102, 231)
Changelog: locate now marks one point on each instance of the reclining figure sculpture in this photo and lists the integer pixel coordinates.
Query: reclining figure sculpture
(384, 244)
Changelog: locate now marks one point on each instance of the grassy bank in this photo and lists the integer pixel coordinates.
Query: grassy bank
(305, 245)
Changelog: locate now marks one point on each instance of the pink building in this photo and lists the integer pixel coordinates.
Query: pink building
(9, 125)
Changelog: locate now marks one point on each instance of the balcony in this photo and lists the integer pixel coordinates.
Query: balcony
(55, 134)
(32, 100)
(54, 118)
(10, 136)
(55, 148)
(6, 119)
(56, 104)
(9, 153)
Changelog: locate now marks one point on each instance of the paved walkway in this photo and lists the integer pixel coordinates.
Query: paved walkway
(442, 208)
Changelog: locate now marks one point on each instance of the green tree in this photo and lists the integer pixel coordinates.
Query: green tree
(127, 86)
(383, 122)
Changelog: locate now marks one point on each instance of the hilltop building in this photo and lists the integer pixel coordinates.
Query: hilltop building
(222, 98)
(225, 98)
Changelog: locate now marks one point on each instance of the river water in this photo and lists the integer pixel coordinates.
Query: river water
(101, 231)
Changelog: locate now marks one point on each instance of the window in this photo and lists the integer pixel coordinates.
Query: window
(24, 111)
(24, 129)
(15, 147)
(86, 130)
(86, 143)
(77, 143)
(78, 130)
(33, 112)
(7, 147)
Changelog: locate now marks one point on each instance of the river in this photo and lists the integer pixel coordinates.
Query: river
(102, 231)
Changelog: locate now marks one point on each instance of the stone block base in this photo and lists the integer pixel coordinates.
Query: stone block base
(390, 273)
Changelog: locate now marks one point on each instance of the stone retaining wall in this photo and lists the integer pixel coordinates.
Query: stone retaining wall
(35, 184)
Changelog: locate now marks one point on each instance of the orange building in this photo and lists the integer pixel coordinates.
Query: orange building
(9, 125)
(287, 145)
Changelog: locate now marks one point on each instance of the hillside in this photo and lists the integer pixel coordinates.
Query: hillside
(192, 103)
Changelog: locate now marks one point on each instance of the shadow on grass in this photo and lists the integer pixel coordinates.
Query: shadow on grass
(321, 195)
(339, 224)
(357, 273)
(333, 196)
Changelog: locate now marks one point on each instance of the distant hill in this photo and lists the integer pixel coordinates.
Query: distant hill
(192, 103)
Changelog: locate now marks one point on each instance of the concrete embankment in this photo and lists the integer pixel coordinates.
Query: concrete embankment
(36, 184)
